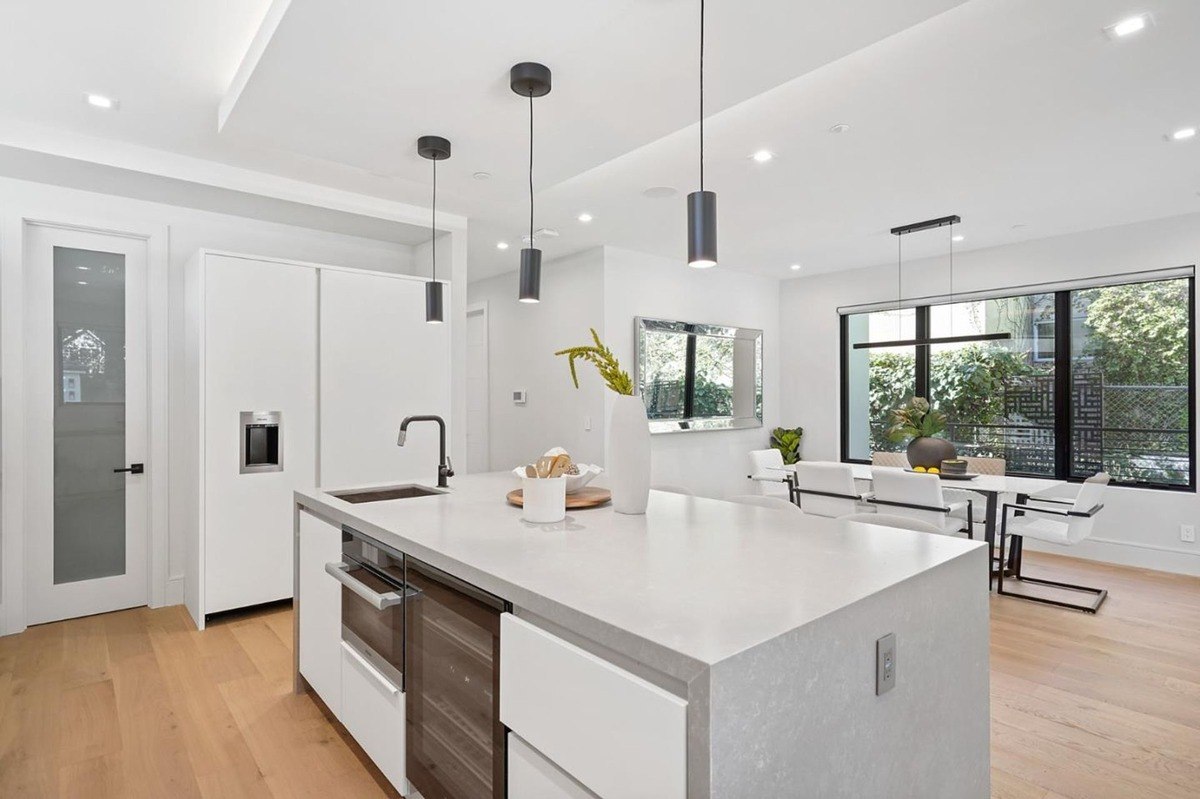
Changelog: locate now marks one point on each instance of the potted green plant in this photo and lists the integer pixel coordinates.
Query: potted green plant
(787, 441)
(628, 429)
(919, 423)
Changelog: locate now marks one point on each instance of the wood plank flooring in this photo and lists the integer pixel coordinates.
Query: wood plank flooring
(138, 704)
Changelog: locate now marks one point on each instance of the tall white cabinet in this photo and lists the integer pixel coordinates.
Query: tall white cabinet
(342, 356)
(380, 362)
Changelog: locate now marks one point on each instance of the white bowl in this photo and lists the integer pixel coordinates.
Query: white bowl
(587, 472)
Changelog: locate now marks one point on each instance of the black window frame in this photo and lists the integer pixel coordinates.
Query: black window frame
(1062, 388)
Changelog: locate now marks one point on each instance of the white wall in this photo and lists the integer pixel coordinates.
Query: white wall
(709, 463)
(606, 288)
(523, 338)
(1137, 526)
(182, 231)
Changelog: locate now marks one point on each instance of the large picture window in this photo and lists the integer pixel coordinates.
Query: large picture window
(1093, 379)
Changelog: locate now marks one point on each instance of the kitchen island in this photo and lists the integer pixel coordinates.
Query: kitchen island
(750, 633)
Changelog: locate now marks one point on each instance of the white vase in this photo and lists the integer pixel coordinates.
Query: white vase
(629, 455)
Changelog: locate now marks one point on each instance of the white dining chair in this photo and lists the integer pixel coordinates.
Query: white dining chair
(778, 503)
(764, 471)
(890, 520)
(993, 466)
(919, 496)
(897, 459)
(826, 489)
(1068, 523)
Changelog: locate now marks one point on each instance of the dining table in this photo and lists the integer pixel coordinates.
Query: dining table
(991, 486)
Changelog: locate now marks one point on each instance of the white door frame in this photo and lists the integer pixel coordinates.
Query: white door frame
(481, 309)
(13, 404)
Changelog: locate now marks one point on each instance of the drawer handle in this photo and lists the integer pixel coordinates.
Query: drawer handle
(341, 573)
(371, 670)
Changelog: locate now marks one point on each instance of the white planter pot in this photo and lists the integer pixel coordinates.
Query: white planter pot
(629, 455)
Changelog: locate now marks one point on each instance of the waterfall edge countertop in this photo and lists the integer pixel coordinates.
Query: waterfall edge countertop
(689, 584)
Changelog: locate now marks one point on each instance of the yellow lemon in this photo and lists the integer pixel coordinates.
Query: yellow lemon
(934, 470)
(918, 468)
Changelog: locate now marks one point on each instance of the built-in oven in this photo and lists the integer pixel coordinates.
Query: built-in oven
(373, 595)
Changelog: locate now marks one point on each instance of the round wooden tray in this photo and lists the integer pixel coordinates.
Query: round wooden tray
(583, 498)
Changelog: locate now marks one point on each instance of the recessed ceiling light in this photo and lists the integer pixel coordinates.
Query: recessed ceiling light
(762, 156)
(840, 127)
(83, 268)
(1183, 133)
(100, 101)
(957, 238)
(502, 245)
(660, 192)
(1128, 26)
(795, 267)
(482, 175)
(81, 282)
(584, 217)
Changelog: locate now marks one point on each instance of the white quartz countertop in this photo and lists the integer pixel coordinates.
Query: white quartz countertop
(692, 582)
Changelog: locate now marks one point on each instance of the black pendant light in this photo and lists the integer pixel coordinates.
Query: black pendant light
(702, 205)
(435, 148)
(926, 340)
(530, 79)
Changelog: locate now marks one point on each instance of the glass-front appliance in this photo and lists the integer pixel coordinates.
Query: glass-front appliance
(456, 743)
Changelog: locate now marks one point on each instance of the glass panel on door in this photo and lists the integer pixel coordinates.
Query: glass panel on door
(89, 414)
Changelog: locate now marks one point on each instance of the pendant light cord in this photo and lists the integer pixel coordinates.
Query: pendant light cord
(531, 243)
(433, 219)
(701, 95)
(899, 287)
(951, 278)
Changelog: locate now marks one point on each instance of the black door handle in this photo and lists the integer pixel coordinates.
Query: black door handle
(136, 468)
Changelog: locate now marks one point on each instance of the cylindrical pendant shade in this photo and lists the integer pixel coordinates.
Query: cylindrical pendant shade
(531, 275)
(702, 229)
(433, 302)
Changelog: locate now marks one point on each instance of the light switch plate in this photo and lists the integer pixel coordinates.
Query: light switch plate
(885, 664)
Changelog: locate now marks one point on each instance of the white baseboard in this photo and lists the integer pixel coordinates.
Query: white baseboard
(1143, 556)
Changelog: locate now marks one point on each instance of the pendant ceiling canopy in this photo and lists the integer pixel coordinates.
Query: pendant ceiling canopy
(434, 148)
(530, 79)
(925, 341)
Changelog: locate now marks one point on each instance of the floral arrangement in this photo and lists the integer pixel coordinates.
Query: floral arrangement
(600, 356)
(916, 419)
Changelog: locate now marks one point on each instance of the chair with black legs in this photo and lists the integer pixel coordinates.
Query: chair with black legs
(1067, 524)
(919, 496)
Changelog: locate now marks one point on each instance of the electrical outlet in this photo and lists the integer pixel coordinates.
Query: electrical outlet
(885, 664)
(1187, 533)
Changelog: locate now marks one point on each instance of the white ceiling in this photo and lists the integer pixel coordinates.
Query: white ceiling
(1007, 112)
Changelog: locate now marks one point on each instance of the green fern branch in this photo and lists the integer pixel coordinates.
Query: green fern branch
(600, 356)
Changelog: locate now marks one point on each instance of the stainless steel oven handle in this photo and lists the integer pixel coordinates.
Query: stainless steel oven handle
(340, 572)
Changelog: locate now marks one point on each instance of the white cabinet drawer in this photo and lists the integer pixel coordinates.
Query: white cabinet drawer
(532, 776)
(373, 714)
(622, 737)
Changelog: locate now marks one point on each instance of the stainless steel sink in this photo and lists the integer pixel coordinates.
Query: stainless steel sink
(359, 496)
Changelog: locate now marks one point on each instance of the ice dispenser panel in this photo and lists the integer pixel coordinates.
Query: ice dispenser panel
(261, 442)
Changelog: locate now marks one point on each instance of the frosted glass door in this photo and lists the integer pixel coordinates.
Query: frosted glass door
(89, 414)
(87, 483)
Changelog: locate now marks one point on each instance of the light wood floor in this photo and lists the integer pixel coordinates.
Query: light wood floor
(138, 704)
